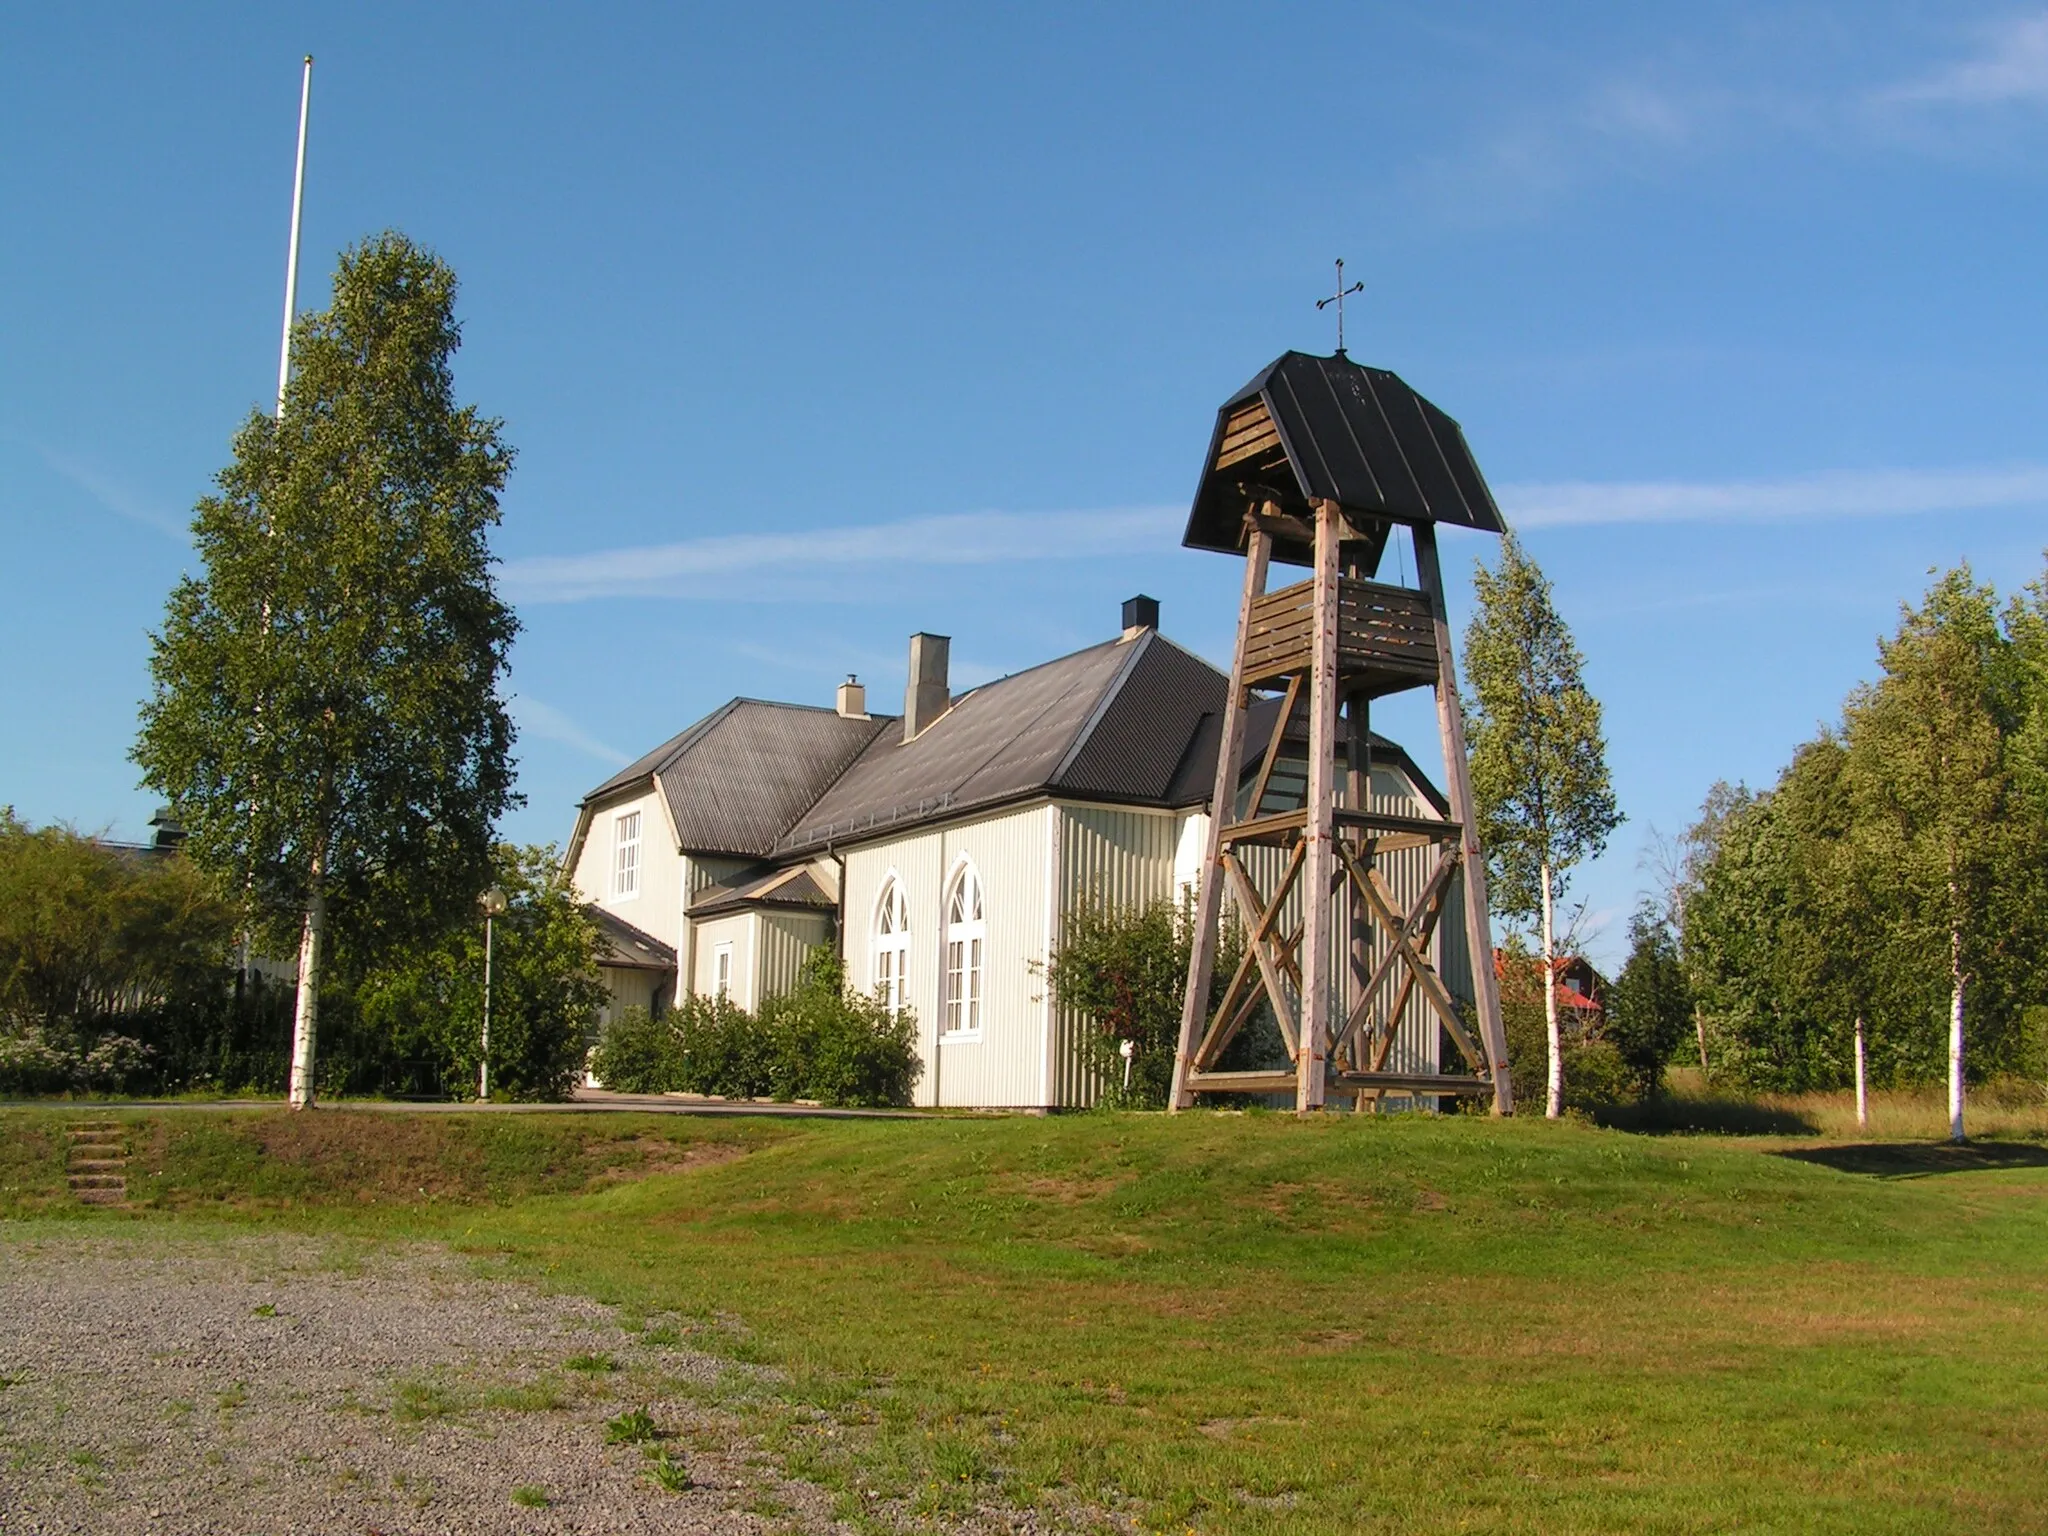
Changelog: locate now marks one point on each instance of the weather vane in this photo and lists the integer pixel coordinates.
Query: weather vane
(1337, 299)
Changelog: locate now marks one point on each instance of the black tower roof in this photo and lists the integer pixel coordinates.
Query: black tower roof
(1313, 429)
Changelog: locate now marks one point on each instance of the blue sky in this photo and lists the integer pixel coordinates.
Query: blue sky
(817, 325)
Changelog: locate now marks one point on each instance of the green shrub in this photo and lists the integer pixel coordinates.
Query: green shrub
(639, 1054)
(1124, 970)
(724, 1050)
(827, 1042)
(820, 1041)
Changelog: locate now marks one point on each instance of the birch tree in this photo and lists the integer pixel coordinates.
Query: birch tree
(1926, 770)
(325, 717)
(1539, 761)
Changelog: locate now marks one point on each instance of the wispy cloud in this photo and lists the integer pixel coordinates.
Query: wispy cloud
(2012, 65)
(820, 562)
(121, 500)
(550, 724)
(1880, 493)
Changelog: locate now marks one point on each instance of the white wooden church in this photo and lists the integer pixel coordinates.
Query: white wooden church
(941, 850)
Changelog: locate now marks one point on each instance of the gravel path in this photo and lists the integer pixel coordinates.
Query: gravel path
(161, 1383)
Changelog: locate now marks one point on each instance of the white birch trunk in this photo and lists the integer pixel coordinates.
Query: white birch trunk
(1862, 1078)
(306, 1015)
(1955, 1035)
(1699, 1029)
(1553, 1104)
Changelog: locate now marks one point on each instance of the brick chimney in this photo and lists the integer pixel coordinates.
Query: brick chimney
(926, 696)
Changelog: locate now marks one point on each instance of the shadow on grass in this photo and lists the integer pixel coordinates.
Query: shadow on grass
(1674, 1116)
(1919, 1160)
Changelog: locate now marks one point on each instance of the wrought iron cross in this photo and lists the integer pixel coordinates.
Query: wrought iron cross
(1337, 299)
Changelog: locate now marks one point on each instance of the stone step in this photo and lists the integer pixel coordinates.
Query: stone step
(96, 1165)
(97, 1181)
(102, 1196)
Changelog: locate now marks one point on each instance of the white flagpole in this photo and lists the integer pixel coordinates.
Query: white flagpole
(291, 266)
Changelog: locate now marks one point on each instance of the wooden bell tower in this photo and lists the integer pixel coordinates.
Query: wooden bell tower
(1312, 464)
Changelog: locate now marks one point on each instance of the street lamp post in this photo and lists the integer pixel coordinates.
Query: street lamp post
(493, 903)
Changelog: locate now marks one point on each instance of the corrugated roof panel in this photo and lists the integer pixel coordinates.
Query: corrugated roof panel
(740, 784)
(1140, 744)
(1000, 741)
(641, 768)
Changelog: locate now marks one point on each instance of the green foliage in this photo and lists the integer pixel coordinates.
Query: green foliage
(837, 1045)
(1896, 857)
(723, 1050)
(113, 971)
(669, 1473)
(88, 931)
(638, 1054)
(1592, 1070)
(1539, 760)
(1649, 1005)
(545, 991)
(822, 1041)
(1125, 971)
(325, 715)
(633, 1427)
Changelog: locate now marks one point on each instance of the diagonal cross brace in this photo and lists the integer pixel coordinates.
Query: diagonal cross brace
(1272, 970)
(1380, 899)
(1259, 925)
(1418, 926)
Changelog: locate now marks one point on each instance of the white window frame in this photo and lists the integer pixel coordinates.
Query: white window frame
(963, 958)
(626, 843)
(721, 969)
(889, 943)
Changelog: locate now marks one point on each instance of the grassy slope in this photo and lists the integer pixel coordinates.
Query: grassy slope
(1250, 1323)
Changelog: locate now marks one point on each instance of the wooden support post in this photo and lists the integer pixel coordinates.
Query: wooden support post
(1222, 805)
(1458, 774)
(1357, 797)
(1320, 835)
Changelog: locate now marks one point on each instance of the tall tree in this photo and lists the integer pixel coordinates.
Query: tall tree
(325, 716)
(1649, 1007)
(1539, 761)
(1927, 776)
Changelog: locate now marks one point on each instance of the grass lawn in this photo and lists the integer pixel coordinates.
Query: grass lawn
(1253, 1323)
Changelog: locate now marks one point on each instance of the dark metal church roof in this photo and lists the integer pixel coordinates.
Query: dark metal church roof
(738, 778)
(1313, 429)
(1116, 722)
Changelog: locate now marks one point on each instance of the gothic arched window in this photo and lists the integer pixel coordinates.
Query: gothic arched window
(966, 934)
(891, 943)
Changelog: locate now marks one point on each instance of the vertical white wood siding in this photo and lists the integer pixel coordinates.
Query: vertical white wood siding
(1002, 1064)
(736, 929)
(698, 874)
(785, 940)
(1114, 859)
(658, 909)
